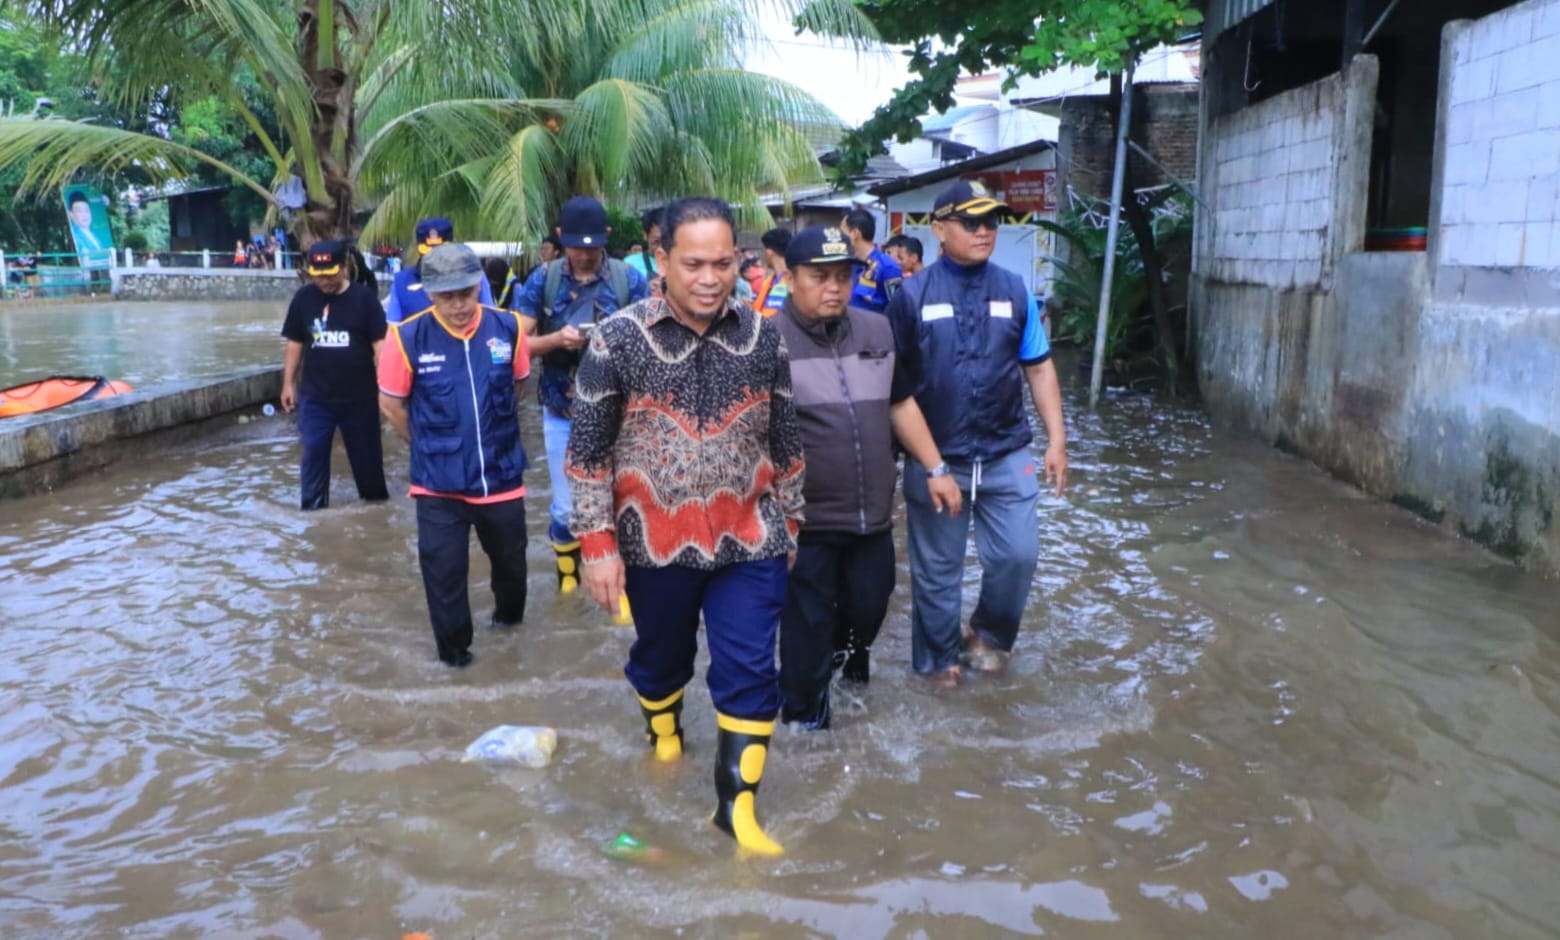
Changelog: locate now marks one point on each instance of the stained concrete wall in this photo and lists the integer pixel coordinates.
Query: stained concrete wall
(39, 452)
(204, 284)
(1428, 379)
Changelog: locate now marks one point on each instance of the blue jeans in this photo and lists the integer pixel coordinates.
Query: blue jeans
(741, 604)
(555, 438)
(1001, 497)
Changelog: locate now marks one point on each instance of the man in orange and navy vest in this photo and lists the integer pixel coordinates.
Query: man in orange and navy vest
(448, 383)
(777, 285)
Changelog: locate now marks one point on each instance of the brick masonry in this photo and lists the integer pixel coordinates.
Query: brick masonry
(1500, 205)
(1168, 131)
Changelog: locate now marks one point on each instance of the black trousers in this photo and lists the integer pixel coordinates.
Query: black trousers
(444, 551)
(837, 600)
(359, 424)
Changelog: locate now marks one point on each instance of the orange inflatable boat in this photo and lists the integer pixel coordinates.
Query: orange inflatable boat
(57, 390)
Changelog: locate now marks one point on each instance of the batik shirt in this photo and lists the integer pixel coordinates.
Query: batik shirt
(685, 448)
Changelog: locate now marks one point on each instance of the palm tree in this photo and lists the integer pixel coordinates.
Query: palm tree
(490, 111)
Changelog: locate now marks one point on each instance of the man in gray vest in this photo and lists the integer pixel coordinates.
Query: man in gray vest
(561, 302)
(852, 399)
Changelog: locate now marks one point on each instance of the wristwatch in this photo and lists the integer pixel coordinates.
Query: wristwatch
(941, 470)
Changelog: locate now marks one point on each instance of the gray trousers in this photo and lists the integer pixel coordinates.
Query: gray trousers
(1002, 497)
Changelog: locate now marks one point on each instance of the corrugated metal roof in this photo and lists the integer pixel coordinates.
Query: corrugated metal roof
(1222, 14)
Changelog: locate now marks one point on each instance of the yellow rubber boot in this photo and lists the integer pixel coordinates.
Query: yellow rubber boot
(739, 767)
(568, 566)
(663, 725)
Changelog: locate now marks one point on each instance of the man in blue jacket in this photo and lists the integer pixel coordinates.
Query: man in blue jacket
(561, 302)
(407, 292)
(970, 335)
(448, 379)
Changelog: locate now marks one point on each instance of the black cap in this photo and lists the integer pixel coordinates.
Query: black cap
(965, 200)
(583, 223)
(326, 257)
(431, 233)
(819, 245)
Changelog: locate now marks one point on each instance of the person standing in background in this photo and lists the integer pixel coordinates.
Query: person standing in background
(334, 330)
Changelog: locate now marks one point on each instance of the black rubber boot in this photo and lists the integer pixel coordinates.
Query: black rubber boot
(857, 665)
(663, 725)
(739, 767)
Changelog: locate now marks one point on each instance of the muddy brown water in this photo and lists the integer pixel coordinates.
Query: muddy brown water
(1248, 701)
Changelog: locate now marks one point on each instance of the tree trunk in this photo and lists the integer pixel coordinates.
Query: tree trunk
(332, 128)
(1153, 262)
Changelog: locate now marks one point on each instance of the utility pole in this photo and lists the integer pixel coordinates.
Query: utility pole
(1112, 233)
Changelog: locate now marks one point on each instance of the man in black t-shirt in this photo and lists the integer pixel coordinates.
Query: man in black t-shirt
(333, 329)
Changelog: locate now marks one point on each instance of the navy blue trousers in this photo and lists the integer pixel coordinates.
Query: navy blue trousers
(444, 554)
(741, 604)
(359, 424)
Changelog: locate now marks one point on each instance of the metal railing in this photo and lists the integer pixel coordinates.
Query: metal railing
(37, 275)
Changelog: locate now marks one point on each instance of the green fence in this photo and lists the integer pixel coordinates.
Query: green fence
(30, 276)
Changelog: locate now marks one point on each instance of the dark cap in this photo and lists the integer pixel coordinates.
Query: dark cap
(431, 233)
(819, 245)
(450, 267)
(965, 200)
(582, 223)
(326, 257)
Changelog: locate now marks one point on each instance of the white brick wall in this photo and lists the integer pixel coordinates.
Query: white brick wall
(1274, 179)
(1501, 203)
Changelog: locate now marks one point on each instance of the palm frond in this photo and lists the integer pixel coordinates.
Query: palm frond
(616, 127)
(52, 151)
(518, 198)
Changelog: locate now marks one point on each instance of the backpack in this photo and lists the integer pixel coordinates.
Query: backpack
(617, 271)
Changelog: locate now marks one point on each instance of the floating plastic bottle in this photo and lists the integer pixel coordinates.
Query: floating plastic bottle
(626, 848)
(526, 745)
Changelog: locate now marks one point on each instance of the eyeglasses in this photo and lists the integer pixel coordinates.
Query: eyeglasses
(987, 222)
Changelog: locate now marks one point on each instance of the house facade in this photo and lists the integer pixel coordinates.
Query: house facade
(1377, 267)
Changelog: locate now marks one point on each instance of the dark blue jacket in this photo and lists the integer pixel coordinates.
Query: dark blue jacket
(465, 435)
(959, 331)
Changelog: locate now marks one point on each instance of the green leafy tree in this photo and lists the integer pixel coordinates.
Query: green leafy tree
(490, 111)
(1021, 37)
(1025, 37)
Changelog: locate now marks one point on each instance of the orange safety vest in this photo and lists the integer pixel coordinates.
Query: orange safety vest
(770, 300)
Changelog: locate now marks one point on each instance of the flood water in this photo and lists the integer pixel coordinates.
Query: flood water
(1248, 702)
(145, 344)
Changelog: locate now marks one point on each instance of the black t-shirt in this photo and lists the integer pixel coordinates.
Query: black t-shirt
(338, 332)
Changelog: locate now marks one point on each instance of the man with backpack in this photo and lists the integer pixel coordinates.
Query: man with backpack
(562, 301)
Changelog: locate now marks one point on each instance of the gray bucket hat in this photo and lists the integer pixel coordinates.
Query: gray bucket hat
(450, 267)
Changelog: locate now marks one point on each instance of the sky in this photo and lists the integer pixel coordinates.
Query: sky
(853, 83)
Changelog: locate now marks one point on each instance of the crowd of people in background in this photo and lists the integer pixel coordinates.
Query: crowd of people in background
(723, 436)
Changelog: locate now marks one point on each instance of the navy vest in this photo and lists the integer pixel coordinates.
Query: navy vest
(960, 330)
(465, 434)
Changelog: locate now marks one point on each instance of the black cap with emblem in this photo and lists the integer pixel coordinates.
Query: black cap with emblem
(819, 245)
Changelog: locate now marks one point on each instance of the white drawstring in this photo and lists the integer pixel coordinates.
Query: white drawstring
(974, 481)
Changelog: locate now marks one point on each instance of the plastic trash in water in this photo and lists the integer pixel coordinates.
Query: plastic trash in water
(626, 848)
(526, 745)
(269, 410)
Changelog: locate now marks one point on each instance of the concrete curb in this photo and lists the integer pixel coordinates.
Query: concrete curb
(40, 452)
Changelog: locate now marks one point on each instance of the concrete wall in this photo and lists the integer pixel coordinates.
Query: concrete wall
(39, 452)
(1286, 180)
(203, 284)
(1501, 204)
(1425, 378)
